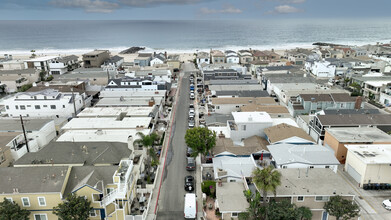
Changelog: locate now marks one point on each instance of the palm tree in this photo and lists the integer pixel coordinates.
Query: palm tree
(304, 213)
(266, 180)
(148, 141)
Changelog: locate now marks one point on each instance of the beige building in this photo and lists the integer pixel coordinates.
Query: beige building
(95, 58)
(228, 105)
(173, 61)
(284, 131)
(337, 138)
(12, 80)
(312, 188)
(369, 163)
(5, 151)
(275, 111)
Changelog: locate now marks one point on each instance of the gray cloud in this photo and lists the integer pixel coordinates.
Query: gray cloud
(98, 6)
(287, 1)
(227, 9)
(152, 3)
(285, 9)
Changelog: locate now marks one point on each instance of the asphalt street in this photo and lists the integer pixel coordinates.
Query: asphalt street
(171, 200)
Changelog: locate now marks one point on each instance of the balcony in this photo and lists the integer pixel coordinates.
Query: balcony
(232, 126)
(124, 181)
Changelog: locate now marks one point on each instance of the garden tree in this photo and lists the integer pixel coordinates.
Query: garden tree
(341, 208)
(12, 211)
(74, 207)
(42, 75)
(304, 213)
(255, 210)
(200, 140)
(25, 87)
(283, 210)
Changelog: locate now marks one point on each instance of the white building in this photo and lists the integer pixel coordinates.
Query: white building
(369, 163)
(247, 124)
(40, 63)
(113, 63)
(303, 156)
(39, 133)
(63, 65)
(158, 59)
(323, 69)
(139, 84)
(231, 57)
(47, 103)
(127, 123)
(13, 65)
(202, 57)
(228, 105)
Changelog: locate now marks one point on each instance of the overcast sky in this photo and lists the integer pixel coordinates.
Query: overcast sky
(191, 9)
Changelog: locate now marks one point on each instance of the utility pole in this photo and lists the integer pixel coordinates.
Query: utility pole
(74, 104)
(24, 133)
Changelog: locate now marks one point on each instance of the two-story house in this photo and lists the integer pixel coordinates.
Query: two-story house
(12, 80)
(312, 103)
(46, 103)
(231, 56)
(245, 56)
(95, 58)
(64, 64)
(217, 57)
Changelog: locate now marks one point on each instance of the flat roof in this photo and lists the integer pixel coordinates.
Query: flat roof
(310, 154)
(234, 166)
(284, 131)
(378, 83)
(355, 119)
(264, 108)
(127, 101)
(252, 117)
(12, 125)
(107, 123)
(32, 179)
(244, 100)
(312, 182)
(230, 197)
(17, 72)
(115, 111)
(76, 153)
(42, 59)
(371, 153)
(96, 52)
(359, 135)
(101, 135)
(6, 137)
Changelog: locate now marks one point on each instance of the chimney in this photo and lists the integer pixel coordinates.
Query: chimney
(165, 54)
(154, 54)
(272, 50)
(151, 102)
(357, 105)
(130, 143)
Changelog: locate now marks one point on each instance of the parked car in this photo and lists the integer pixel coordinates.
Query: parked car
(189, 183)
(189, 152)
(387, 204)
(190, 211)
(191, 113)
(191, 123)
(191, 106)
(191, 165)
(192, 96)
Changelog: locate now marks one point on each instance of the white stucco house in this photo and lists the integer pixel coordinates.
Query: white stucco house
(323, 69)
(48, 103)
(247, 124)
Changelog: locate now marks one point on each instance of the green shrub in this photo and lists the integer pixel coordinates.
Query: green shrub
(209, 188)
(25, 87)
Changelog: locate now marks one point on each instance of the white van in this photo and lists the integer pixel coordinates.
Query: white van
(190, 206)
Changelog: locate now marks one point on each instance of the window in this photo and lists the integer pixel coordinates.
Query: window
(41, 201)
(37, 107)
(22, 107)
(25, 202)
(234, 214)
(284, 167)
(93, 213)
(16, 107)
(321, 198)
(327, 167)
(53, 106)
(40, 217)
(9, 199)
(109, 190)
(63, 106)
(7, 107)
(237, 106)
(28, 106)
(97, 197)
(45, 106)
(311, 167)
(243, 127)
(300, 198)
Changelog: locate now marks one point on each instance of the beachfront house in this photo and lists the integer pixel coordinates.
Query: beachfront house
(95, 59)
(231, 56)
(64, 64)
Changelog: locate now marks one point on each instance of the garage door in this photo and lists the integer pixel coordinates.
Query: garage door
(353, 173)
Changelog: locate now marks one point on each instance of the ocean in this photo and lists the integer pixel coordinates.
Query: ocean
(17, 37)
